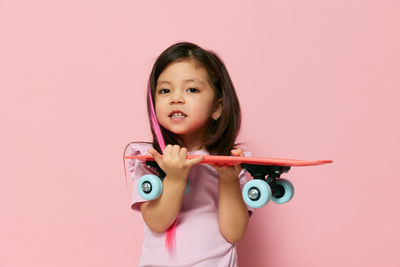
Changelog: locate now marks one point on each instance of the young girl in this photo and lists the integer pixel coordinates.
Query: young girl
(193, 110)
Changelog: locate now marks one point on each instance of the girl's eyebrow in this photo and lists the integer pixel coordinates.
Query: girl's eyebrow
(187, 80)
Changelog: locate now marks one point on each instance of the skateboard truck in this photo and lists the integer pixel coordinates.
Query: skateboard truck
(154, 164)
(260, 172)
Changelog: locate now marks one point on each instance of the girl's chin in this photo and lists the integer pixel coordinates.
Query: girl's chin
(181, 133)
(178, 132)
(184, 131)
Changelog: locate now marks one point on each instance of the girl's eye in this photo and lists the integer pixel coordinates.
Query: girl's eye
(163, 91)
(193, 90)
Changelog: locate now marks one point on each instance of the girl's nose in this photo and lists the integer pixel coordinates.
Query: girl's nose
(177, 98)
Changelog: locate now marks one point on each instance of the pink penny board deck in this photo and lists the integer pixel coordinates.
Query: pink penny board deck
(233, 160)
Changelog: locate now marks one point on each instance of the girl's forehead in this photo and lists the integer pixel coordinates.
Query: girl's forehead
(184, 69)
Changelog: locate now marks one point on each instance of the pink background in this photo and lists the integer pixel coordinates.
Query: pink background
(316, 80)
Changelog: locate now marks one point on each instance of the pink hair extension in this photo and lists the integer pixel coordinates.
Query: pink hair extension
(170, 240)
(171, 232)
(155, 124)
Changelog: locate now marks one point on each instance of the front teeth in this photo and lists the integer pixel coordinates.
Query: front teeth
(177, 115)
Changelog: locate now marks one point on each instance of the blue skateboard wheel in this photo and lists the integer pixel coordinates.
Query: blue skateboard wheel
(256, 193)
(288, 191)
(150, 186)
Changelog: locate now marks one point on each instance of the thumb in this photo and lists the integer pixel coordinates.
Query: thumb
(157, 156)
(195, 160)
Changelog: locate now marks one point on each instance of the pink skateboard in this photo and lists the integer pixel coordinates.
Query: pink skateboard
(233, 160)
(266, 172)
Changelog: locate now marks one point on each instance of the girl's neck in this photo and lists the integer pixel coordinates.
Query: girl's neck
(192, 143)
(193, 147)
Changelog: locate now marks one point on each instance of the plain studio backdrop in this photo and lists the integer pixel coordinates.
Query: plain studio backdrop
(315, 79)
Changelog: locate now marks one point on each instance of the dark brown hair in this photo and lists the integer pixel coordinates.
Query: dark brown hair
(221, 134)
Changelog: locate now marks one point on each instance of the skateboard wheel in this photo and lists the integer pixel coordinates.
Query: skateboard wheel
(150, 186)
(288, 191)
(256, 193)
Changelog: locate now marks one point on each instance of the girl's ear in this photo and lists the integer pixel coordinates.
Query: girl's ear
(217, 110)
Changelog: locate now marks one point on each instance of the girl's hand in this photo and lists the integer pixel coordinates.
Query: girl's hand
(228, 172)
(174, 162)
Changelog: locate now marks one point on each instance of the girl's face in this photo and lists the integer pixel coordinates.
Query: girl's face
(185, 102)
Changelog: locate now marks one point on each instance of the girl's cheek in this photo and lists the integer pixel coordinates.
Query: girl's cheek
(159, 108)
(202, 110)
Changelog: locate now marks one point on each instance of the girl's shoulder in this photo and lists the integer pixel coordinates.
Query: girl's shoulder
(138, 148)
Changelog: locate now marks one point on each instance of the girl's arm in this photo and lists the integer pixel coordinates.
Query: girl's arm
(160, 213)
(233, 216)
